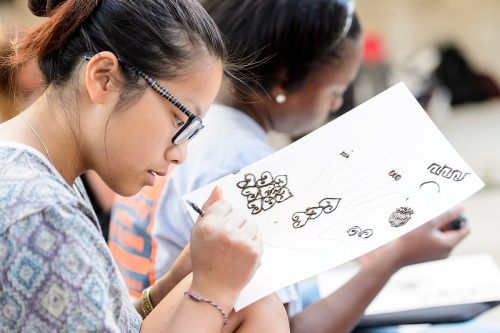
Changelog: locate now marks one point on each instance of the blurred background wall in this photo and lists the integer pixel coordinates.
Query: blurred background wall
(404, 39)
(412, 25)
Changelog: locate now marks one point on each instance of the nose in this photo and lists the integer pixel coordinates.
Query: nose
(176, 154)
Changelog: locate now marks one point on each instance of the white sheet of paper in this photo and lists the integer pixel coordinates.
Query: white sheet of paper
(460, 279)
(329, 197)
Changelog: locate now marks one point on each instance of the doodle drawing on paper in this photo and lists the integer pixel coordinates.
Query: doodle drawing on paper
(263, 193)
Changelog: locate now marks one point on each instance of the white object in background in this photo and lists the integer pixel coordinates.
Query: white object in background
(460, 279)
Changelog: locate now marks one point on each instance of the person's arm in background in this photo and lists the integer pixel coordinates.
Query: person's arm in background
(181, 268)
(340, 311)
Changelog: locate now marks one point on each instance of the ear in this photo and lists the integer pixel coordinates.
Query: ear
(101, 75)
(280, 84)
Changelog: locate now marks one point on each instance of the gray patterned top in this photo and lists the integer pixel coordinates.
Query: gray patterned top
(56, 271)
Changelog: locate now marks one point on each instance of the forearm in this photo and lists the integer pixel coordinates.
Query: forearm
(177, 313)
(187, 316)
(340, 311)
(159, 290)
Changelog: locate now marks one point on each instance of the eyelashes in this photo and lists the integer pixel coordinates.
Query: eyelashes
(179, 122)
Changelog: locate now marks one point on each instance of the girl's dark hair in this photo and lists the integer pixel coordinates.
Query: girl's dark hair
(295, 36)
(159, 37)
(7, 109)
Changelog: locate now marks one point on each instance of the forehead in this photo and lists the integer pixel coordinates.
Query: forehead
(198, 85)
(342, 69)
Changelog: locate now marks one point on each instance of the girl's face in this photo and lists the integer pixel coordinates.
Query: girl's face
(307, 108)
(138, 141)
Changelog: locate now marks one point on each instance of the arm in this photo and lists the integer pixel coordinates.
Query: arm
(340, 311)
(164, 285)
(266, 315)
(225, 252)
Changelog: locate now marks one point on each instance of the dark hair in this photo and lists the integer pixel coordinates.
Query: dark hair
(159, 37)
(292, 35)
(5, 52)
(6, 101)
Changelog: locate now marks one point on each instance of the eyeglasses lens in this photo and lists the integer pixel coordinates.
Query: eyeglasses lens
(190, 129)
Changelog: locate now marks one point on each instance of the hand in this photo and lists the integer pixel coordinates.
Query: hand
(431, 241)
(225, 250)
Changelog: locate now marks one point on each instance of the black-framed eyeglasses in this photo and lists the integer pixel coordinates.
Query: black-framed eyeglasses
(191, 127)
(194, 123)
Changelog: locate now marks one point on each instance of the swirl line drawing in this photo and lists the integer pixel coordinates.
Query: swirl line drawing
(447, 172)
(355, 230)
(327, 205)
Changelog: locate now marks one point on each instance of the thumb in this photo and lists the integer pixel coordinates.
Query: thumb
(215, 196)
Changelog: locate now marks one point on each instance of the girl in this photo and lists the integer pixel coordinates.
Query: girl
(112, 69)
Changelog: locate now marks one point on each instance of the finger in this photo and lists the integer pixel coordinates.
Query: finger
(250, 229)
(457, 223)
(454, 220)
(258, 244)
(453, 237)
(215, 196)
(444, 219)
(235, 218)
(220, 209)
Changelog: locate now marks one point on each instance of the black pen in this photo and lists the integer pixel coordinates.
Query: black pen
(196, 208)
(457, 223)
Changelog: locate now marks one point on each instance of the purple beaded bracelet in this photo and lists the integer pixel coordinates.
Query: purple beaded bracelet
(199, 298)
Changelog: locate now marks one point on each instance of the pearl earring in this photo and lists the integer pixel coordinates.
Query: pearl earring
(280, 98)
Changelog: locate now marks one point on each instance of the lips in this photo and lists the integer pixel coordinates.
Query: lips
(152, 176)
(160, 173)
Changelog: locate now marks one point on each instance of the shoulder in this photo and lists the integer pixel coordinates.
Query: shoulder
(30, 185)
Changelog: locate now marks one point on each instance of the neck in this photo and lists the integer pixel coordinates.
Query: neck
(252, 105)
(50, 135)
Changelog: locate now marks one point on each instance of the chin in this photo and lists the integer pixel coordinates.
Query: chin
(302, 132)
(128, 191)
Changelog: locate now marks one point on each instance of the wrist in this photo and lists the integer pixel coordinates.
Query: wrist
(388, 257)
(221, 296)
(146, 304)
(199, 298)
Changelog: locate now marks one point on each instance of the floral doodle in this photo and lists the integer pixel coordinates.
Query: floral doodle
(263, 193)
(326, 206)
(400, 217)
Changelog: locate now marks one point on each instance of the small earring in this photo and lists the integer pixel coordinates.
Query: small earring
(280, 98)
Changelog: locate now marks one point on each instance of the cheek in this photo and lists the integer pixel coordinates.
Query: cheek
(126, 149)
(136, 141)
(319, 111)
